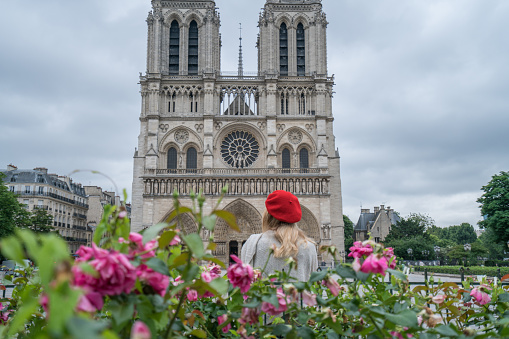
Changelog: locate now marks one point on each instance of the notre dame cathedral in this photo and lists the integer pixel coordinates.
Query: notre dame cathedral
(203, 129)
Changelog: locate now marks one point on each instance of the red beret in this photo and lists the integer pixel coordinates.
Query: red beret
(284, 206)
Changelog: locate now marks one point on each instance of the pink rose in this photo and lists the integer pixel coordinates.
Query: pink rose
(122, 214)
(140, 331)
(214, 269)
(332, 285)
(438, 299)
(175, 241)
(90, 302)
(481, 297)
(309, 298)
(240, 275)
(192, 295)
(148, 249)
(356, 265)
(206, 276)
(249, 316)
(374, 264)
(221, 319)
(159, 282)
(359, 250)
(273, 310)
(115, 273)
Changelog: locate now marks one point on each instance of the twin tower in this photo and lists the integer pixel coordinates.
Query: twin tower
(204, 129)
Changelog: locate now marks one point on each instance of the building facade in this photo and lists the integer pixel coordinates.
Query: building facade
(65, 200)
(97, 199)
(375, 225)
(202, 129)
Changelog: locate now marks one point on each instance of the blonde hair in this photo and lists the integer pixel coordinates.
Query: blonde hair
(289, 235)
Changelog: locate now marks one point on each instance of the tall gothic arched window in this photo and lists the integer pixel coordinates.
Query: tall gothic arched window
(191, 159)
(172, 158)
(192, 61)
(301, 50)
(285, 159)
(304, 158)
(174, 47)
(283, 49)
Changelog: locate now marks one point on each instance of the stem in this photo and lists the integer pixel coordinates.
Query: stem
(265, 266)
(374, 323)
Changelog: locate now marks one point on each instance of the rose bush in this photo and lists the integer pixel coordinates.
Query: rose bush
(162, 283)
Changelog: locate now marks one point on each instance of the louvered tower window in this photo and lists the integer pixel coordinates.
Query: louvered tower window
(283, 50)
(172, 158)
(304, 158)
(192, 62)
(191, 159)
(174, 47)
(301, 50)
(286, 163)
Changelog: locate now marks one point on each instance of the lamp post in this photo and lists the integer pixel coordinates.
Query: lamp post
(410, 252)
(425, 254)
(466, 247)
(437, 252)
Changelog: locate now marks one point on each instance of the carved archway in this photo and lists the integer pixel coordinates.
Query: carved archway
(249, 221)
(186, 224)
(309, 224)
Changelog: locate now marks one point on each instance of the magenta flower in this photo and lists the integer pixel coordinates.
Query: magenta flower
(359, 250)
(221, 319)
(249, 316)
(332, 285)
(122, 214)
(175, 241)
(391, 258)
(206, 276)
(148, 249)
(356, 265)
(240, 275)
(140, 331)
(214, 269)
(90, 302)
(309, 298)
(374, 264)
(159, 282)
(192, 295)
(481, 297)
(273, 310)
(115, 273)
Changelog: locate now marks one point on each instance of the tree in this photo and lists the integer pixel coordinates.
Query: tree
(41, 221)
(413, 226)
(495, 206)
(489, 240)
(12, 213)
(348, 232)
(457, 235)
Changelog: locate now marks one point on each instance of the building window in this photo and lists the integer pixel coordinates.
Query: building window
(11, 188)
(304, 158)
(191, 159)
(27, 189)
(286, 162)
(192, 63)
(283, 49)
(174, 48)
(172, 158)
(284, 104)
(41, 190)
(301, 51)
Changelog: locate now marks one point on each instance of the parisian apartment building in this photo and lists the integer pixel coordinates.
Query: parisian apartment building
(65, 200)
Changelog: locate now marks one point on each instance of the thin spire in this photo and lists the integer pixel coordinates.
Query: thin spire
(241, 66)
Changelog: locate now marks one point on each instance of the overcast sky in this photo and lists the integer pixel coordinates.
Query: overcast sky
(421, 106)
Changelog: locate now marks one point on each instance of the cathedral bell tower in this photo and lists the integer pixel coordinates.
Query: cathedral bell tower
(204, 129)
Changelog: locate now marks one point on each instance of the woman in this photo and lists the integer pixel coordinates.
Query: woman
(280, 229)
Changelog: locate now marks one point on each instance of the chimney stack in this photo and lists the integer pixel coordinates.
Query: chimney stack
(11, 167)
(41, 169)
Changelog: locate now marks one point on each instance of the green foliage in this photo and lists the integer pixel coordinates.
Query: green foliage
(495, 206)
(418, 244)
(12, 213)
(415, 225)
(472, 270)
(459, 235)
(348, 232)
(41, 221)
(489, 240)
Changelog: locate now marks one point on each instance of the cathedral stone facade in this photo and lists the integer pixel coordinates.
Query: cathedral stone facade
(203, 129)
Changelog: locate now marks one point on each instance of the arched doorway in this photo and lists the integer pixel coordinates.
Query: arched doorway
(185, 223)
(249, 221)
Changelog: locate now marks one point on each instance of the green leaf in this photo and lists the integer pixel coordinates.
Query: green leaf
(504, 298)
(166, 238)
(121, 313)
(199, 333)
(84, 328)
(220, 285)
(332, 335)
(210, 222)
(195, 244)
(446, 330)
(158, 265)
(306, 333)
(317, 276)
(12, 249)
(281, 329)
(99, 232)
(346, 272)
(398, 274)
(229, 218)
(152, 232)
(271, 298)
(407, 318)
(31, 245)
(22, 315)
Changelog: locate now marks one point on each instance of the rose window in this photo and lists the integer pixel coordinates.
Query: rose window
(240, 149)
